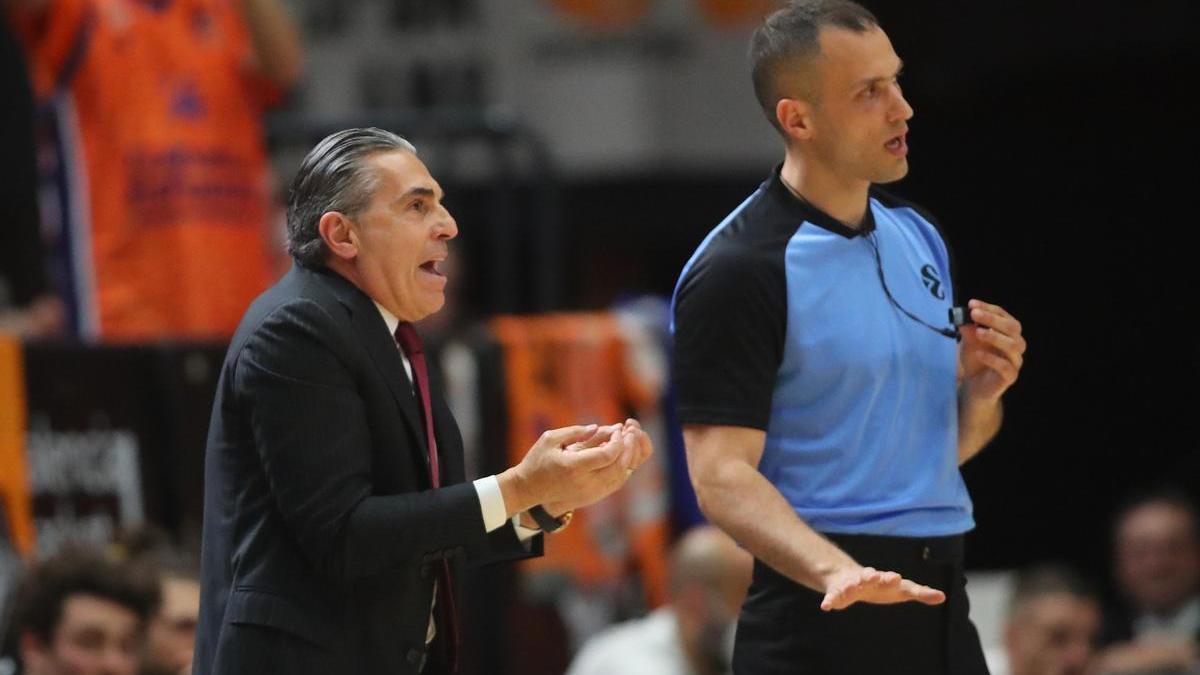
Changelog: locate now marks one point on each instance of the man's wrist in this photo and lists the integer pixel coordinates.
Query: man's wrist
(514, 490)
(971, 404)
(828, 572)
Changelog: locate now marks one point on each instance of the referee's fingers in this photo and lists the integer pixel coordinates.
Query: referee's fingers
(976, 303)
(831, 601)
(922, 594)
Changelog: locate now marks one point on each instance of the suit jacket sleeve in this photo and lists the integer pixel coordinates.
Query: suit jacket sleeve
(310, 429)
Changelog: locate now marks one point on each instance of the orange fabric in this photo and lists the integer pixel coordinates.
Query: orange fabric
(14, 471)
(172, 154)
(570, 369)
(605, 14)
(737, 14)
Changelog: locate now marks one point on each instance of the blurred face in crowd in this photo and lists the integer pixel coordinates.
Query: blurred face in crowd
(95, 636)
(1053, 634)
(856, 112)
(1158, 557)
(401, 238)
(171, 635)
(710, 577)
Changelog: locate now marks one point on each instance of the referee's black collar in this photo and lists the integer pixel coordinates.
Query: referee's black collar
(806, 211)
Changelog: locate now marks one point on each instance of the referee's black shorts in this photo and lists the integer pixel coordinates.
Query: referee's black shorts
(783, 630)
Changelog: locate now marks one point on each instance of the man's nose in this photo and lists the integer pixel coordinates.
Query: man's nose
(902, 111)
(448, 227)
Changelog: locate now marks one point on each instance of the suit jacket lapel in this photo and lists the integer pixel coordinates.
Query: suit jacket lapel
(373, 333)
(449, 437)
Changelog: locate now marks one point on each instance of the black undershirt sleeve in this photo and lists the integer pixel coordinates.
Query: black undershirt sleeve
(730, 320)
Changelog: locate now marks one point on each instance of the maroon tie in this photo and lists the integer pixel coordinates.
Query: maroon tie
(410, 342)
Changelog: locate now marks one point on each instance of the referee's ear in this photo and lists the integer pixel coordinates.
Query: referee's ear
(795, 119)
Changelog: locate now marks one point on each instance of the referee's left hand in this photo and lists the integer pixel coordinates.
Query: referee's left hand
(867, 584)
(992, 352)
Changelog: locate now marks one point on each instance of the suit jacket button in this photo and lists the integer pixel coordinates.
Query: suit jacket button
(425, 571)
(413, 656)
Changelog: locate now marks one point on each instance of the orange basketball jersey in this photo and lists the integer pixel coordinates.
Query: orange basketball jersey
(161, 171)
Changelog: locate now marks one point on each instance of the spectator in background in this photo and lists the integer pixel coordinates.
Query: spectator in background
(153, 146)
(171, 632)
(692, 635)
(1157, 566)
(28, 308)
(80, 613)
(1052, 625)
(171, 636)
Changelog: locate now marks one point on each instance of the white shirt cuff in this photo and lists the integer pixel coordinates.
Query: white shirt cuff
(491, 502)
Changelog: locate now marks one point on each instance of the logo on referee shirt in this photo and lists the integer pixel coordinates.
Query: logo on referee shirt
(932, 282)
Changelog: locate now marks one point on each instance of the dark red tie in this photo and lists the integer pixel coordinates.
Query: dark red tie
(410, 342)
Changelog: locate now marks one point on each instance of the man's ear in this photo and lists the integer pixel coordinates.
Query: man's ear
(795, 118)
(339, 234)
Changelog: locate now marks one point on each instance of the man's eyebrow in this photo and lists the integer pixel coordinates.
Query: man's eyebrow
(869, 80)
(419, 191)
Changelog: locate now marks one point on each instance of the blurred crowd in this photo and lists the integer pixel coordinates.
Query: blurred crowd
(1058, 623)
(132, 608)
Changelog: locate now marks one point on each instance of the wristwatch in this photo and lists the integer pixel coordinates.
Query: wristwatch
(549, 523)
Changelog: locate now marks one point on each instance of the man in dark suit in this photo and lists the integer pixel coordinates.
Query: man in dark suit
(334, 512)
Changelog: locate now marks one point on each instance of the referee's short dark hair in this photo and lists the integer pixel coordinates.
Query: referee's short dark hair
(790, 35)
(334, 176)
(42, 592)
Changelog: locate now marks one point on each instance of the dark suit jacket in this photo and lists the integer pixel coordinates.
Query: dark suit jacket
(322, 535)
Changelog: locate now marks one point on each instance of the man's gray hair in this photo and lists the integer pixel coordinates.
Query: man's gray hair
(334, 176)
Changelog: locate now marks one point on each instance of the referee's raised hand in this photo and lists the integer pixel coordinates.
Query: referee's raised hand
(867, 584)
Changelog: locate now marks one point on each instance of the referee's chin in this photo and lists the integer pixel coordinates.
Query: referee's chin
(892, 174)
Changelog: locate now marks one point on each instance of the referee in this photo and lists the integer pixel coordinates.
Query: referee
(827, 400)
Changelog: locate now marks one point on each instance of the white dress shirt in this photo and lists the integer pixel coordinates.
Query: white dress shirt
(1182, 625)
(646, 646)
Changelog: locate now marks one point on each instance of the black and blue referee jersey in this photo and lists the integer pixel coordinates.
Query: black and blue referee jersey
(782, 322)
